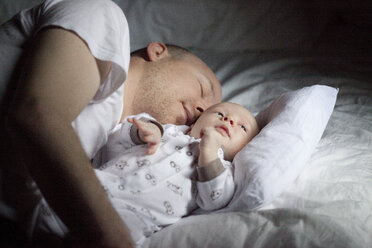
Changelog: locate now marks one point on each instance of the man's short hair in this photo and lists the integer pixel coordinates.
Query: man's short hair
(175, 51)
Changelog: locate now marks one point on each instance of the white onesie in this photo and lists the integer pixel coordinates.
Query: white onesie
(152, 191)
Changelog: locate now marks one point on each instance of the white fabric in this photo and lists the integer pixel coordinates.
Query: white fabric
(161, 188)
(102, 25)
(291, 129)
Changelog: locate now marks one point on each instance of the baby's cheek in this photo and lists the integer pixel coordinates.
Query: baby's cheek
(237, 147)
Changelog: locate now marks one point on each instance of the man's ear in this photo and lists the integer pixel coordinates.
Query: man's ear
(156, 51)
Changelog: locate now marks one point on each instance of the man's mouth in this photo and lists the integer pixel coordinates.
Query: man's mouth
(224, 130)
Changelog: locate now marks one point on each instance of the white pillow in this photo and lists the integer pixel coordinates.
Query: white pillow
(291, 128)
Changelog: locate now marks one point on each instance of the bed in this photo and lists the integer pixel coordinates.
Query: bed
(260, 50)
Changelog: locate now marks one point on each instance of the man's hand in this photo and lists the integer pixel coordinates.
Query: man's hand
(211, 141)
(149, 133)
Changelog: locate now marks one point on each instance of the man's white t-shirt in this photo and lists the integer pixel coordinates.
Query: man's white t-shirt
(104, 28)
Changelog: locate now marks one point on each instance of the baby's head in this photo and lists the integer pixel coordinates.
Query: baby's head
(231, 120)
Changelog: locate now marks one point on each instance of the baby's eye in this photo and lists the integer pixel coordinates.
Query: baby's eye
(220, 114)
(243, 127)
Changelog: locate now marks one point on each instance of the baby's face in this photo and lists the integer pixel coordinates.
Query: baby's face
(232, 121)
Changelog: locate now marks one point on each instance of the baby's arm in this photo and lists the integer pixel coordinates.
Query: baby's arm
(146, 131)
(215, 182)
(209, 145)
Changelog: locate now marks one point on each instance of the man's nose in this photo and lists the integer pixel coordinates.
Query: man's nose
(199, 110)
(228, 119)
(197, 113)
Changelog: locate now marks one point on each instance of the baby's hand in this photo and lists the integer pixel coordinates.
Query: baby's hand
(149, 133)
(211, 140)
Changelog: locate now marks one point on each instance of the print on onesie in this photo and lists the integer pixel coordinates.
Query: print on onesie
(215, 194)
(121, 164)
(121, 187)
(178, 148)
(121, 184)
(151, 178)
(175, 166)
(175, 188)
(144, 162)
(168, 208)
(189, 153)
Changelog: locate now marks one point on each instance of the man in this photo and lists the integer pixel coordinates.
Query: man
(61, 82)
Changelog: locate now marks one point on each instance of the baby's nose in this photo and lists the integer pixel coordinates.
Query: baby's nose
(229, 120)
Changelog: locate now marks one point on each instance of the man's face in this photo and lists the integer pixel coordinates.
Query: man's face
(177, 91)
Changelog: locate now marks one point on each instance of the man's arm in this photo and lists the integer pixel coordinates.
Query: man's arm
(59, 80)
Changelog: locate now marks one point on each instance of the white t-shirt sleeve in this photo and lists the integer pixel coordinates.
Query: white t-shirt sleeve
(104, 28)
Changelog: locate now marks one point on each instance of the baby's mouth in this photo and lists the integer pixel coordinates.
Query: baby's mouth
(224, 130)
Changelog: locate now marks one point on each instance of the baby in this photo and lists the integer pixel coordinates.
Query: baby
(154, 175)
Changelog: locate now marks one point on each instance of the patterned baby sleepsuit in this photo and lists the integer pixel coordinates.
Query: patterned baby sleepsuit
(152, 191)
